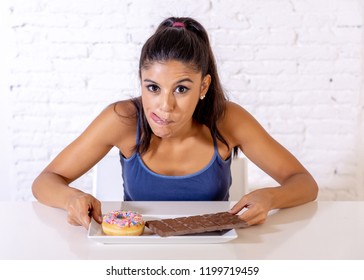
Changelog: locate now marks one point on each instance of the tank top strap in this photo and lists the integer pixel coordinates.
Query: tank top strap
(214, 138)
(137, 136)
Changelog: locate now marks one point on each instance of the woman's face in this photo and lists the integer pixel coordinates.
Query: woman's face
(170, 93)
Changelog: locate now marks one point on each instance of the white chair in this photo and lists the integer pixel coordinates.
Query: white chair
(239, 174)
(108, 183)
(107, 180)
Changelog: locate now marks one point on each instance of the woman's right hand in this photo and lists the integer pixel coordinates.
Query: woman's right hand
(81, 207)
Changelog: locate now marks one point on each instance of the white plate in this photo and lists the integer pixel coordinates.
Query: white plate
(95, 233)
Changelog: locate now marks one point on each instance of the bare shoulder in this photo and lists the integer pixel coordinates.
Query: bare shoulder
(123, 112)
(235, 113)
(238, 126)
(115, 124)
(124, 108)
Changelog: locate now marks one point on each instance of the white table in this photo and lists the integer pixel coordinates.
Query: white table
(317, 230)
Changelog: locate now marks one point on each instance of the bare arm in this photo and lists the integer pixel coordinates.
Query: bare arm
(296, 184)
(52, 188)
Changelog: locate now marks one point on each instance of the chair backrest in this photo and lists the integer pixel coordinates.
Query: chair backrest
(108, 183)
(239, 174)
(107, 180)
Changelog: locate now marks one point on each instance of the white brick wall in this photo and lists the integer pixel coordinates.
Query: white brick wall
(295, 65)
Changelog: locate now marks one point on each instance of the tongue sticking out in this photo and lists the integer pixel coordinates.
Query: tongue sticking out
(159, 120)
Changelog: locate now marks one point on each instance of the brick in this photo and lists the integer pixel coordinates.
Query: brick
(298, 52)
(86, 35)
(260, 67)
(256, 37)
(233, 53)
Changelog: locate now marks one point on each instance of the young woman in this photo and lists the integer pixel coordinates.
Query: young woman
(177, 139)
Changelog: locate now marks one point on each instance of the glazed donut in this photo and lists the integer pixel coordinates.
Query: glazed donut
(122, 222)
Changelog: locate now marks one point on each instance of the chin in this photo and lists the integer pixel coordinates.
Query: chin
(162, 133)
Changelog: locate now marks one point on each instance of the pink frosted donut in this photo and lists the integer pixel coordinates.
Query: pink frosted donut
(122, 222)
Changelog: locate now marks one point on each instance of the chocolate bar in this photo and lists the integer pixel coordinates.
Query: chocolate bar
(195, 224)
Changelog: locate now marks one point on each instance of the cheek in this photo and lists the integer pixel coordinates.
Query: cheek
(187, 107)
(147, 101)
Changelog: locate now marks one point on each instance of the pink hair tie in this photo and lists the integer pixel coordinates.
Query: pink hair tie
(178, 24)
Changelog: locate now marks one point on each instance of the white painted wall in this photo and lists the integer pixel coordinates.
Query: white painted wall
(6, 168)
(296, 65)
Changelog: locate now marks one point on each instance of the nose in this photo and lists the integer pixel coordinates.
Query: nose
(167, 102)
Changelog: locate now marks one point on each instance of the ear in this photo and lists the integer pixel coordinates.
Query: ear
(206, 81)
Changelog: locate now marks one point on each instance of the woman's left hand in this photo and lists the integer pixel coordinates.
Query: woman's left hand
(258, 204)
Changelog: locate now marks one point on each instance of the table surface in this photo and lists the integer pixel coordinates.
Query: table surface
(316, 230)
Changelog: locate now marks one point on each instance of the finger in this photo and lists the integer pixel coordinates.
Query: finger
(85, 219)
(253, 217)
(72, 221)
(71, 218)
(83, 214)
(96, 211)
(79, 220)
(255, 221)
(242, 203)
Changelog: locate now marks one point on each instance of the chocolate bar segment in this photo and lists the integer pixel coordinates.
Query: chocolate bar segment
(195, 224)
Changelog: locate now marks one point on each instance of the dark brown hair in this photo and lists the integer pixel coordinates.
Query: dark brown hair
(187, 42)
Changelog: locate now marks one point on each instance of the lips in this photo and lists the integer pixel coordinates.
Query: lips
(159, 120)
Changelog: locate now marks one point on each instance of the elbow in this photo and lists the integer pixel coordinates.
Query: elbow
(314, 189)
(35, 188)
(38, 186)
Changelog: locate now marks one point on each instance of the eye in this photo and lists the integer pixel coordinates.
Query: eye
(181, 89)
(152, 88)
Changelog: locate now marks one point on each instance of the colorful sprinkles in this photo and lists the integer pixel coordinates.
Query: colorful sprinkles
(123, 218)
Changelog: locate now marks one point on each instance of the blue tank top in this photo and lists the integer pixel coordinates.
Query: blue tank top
(212, 183)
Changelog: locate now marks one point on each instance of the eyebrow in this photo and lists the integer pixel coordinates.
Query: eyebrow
(180, 81)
